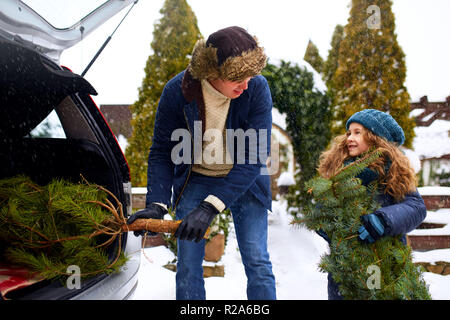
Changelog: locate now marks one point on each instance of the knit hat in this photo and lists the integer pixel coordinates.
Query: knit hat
(229, 54)
(380, 123)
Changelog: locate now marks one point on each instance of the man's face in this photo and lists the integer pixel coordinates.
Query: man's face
(230, 89)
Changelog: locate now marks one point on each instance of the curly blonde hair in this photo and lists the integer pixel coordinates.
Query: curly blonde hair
(398, 181)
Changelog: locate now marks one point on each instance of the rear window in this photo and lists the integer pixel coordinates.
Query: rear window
(50, 127)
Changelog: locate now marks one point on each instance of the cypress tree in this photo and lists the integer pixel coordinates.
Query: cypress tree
(331, 64)
(327, 68)
(371, 67)
(174, 37)
(312, 56)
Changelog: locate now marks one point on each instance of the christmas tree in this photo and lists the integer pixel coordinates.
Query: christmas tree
(47, 229)
(383, 270)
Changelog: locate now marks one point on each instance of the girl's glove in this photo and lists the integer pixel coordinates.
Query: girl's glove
(372, 229)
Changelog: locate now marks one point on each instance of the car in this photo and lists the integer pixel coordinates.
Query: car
(51, 128)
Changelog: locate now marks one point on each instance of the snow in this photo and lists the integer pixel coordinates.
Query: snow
(413, 158)
(286, 179)
(139, 190)
(434, 191)
(416, 112)
(279, 118)
(439, 216)
(432, 256)
(438, 284)
(295, 253)
(123, 142)
(432, 141)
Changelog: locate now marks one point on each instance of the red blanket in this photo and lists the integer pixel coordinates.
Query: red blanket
(13, 278)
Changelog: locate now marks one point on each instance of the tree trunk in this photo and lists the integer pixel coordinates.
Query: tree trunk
(155, 225)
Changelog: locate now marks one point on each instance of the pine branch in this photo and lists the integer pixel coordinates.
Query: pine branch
(356, 167)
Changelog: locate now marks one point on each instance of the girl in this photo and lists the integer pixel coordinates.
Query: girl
(402, 207)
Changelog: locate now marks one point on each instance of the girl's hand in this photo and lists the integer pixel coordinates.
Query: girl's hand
(372, 228)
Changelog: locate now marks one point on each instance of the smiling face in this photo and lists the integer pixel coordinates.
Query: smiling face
(356, 142)
(230, 89)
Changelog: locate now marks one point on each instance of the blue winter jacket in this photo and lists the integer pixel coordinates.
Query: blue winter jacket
(181, 104)
(402, 217)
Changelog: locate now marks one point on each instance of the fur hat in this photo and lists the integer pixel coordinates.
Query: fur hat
(229, 54)
(380, 123)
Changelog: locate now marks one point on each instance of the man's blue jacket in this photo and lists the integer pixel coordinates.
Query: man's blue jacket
(181, 104)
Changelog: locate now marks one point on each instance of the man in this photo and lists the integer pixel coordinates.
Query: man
(222, 92)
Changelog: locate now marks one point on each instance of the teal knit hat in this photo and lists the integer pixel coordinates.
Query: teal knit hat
(380, 123)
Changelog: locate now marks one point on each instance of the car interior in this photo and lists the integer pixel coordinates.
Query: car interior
(36, 89)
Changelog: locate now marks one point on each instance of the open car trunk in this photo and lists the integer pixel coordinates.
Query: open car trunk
(51, 128)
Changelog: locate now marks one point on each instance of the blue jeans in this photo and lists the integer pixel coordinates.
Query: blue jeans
(250, 222)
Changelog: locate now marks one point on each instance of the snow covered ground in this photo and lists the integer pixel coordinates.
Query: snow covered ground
(295, 253)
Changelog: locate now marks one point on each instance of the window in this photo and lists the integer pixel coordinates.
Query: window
(50, 127)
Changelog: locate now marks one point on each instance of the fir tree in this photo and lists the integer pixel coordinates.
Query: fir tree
(174, 37)
(383, 270)
(371, 67)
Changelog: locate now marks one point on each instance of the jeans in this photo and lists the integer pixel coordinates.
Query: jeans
(250, 222)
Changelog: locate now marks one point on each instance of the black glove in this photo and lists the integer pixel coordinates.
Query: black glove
(372, 229)
(153, 211)
(195, 224)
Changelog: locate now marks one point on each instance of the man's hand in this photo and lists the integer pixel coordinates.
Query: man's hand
(153, 211)
(195, 224)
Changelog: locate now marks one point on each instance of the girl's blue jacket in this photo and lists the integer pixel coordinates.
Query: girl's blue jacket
(399, 217)
(402, 217)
